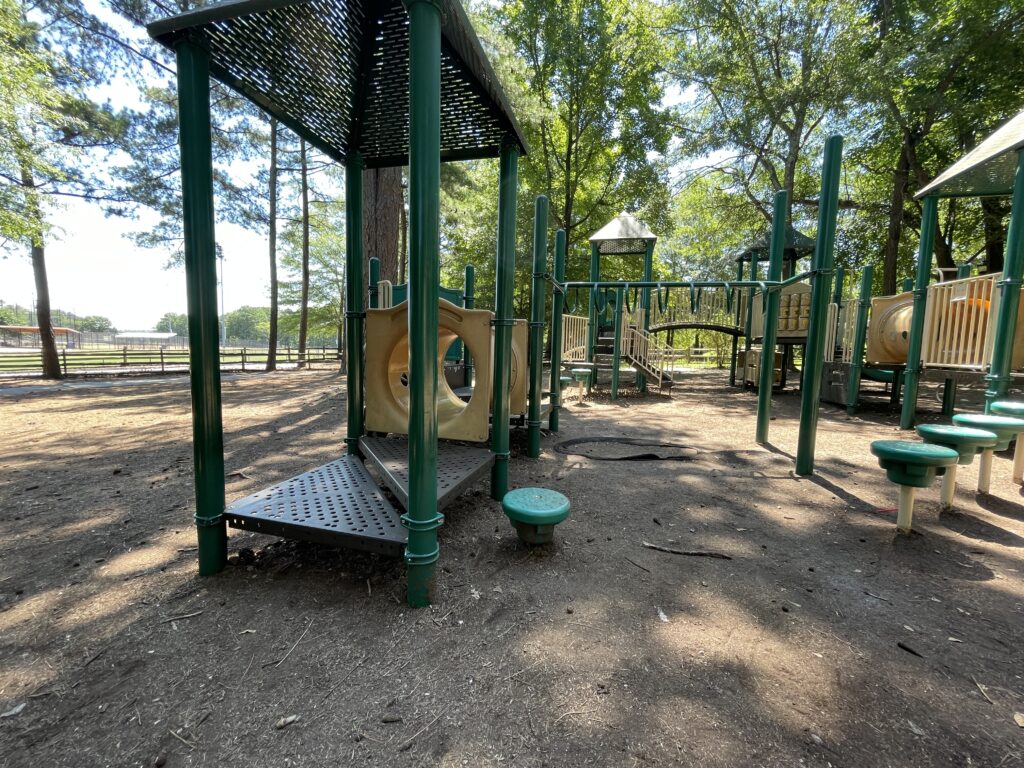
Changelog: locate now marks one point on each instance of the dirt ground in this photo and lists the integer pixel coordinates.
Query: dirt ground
(825, 640)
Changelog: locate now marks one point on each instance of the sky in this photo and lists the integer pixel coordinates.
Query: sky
(95, 270)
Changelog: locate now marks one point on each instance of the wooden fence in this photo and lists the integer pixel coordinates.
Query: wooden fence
(125, 360)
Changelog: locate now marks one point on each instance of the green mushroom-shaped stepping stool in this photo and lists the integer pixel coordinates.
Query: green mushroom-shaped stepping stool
(911, 466)
(582, 376)
(966, 441)
(1016, 410)
(534, 513)
(1006, 428)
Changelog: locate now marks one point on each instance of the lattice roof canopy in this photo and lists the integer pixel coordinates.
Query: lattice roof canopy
(623, 235)
(988, 169)
(337, 73)
(798, 245)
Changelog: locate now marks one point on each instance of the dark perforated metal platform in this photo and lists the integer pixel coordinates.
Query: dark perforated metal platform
(337, 503)
(458, 466)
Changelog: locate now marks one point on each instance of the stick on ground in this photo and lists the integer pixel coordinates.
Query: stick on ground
(688, 553)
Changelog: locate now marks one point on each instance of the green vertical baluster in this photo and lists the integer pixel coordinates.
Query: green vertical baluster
(771, 320)
(912, 375)
(354, 314)
(374, 282)
(820, 290)
(963, 271)
(908, 284)
(508, 180)
(557, 301)
(537, 302)
(422, 518)
(859, 340)
(203, 324)
(998, 377)
(469, 302)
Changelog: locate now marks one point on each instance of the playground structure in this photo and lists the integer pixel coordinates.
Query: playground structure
(419, 59)
(960, 330)
(629, 304)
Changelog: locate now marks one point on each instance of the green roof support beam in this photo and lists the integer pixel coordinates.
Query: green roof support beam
(595, 318)
(557, 303)
(821, 280)
(355, 315)
(468, 302)
(912, 374)
(645, 301)
(998, 377)
(201, 282)
(617, 343)
(860, 337)
(735, 339)
(505, 275)
(537, 304)
(422, 518)
(771, 321)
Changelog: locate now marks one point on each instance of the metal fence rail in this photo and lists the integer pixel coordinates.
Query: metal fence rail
(155, 360)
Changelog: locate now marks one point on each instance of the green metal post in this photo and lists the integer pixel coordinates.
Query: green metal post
(508, 181)
(354, 313)
(964, 270)
(422, 518)
(912, 374)
(814, 352)
(374, 282)
(617, 343)
(860, 338)
(949, 397)
(595, 275)
(837, 286)
(771, 320)
(537, 304)
(469, 302)
(998, 377)
(556, 332)
(749, 325)
(645, 301)
(203, 326)
(908, 284)
(735, 339)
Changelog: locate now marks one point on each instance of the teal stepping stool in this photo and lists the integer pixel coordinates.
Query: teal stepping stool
(911, 466)
(582, 376)
(534, 513)
(1016, 410)
(966, 441)
(1006, 428)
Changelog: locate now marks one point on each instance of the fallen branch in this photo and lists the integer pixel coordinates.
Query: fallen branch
(633, 562)
(294, 645)
(982, 689)
(187, 743)
(688, 553)
(408, 744)
(179, 618)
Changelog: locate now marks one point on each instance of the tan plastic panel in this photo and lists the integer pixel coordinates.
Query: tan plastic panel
(889, 328)
(520, 369)
(387, 367)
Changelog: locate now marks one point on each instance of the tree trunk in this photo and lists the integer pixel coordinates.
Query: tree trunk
(304, 307)
(272, 237)
(943, 248)
(891, 252)
(51, 362)
(382, 214)
(995, 234)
